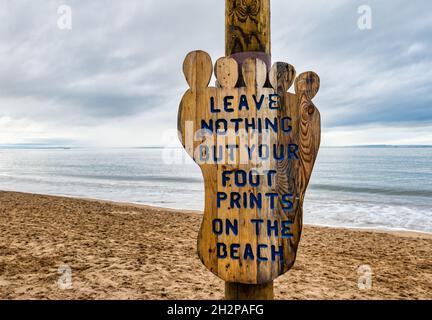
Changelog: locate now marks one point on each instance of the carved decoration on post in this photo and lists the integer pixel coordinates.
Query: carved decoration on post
(249, 26)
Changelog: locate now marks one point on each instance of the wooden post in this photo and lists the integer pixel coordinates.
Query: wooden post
(238, 291)
(247, 35)
(252, 223)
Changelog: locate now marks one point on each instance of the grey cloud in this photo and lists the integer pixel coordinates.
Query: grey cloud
(135, 45)
(375, 76)
(124, 58)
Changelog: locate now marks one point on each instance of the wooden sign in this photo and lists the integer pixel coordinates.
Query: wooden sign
(256, 146)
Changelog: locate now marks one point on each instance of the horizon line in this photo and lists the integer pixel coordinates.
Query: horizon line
(55, 146)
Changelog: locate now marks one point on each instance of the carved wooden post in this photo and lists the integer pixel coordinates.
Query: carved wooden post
(256, 144)
(247, 35)
(247, 30)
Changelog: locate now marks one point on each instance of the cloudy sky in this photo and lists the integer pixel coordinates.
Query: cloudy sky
(115, 79)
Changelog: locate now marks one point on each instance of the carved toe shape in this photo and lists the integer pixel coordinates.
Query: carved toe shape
(254, 73)
(226, 71)
(307, 83)
(198, 69)
(282, 76)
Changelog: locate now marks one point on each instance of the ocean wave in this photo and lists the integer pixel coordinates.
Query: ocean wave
(173, 179)
(373, 190)
(107, 178)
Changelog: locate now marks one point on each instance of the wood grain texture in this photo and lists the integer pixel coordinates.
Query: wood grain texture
(239, 291)
(247, 26)
(292, 174)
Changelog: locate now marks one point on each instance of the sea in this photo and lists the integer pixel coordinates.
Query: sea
(384, 188)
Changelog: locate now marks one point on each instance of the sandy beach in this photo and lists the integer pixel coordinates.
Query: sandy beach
(122, 251)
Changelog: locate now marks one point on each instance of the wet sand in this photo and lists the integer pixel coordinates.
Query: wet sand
(124, 251)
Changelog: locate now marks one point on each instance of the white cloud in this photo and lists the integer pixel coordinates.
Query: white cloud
(378, 135)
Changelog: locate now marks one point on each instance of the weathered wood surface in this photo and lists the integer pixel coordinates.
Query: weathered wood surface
(239, 291)
(247, 26)
(292, 174)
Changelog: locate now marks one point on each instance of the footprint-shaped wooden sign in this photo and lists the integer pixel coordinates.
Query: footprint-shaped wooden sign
(256, 146)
